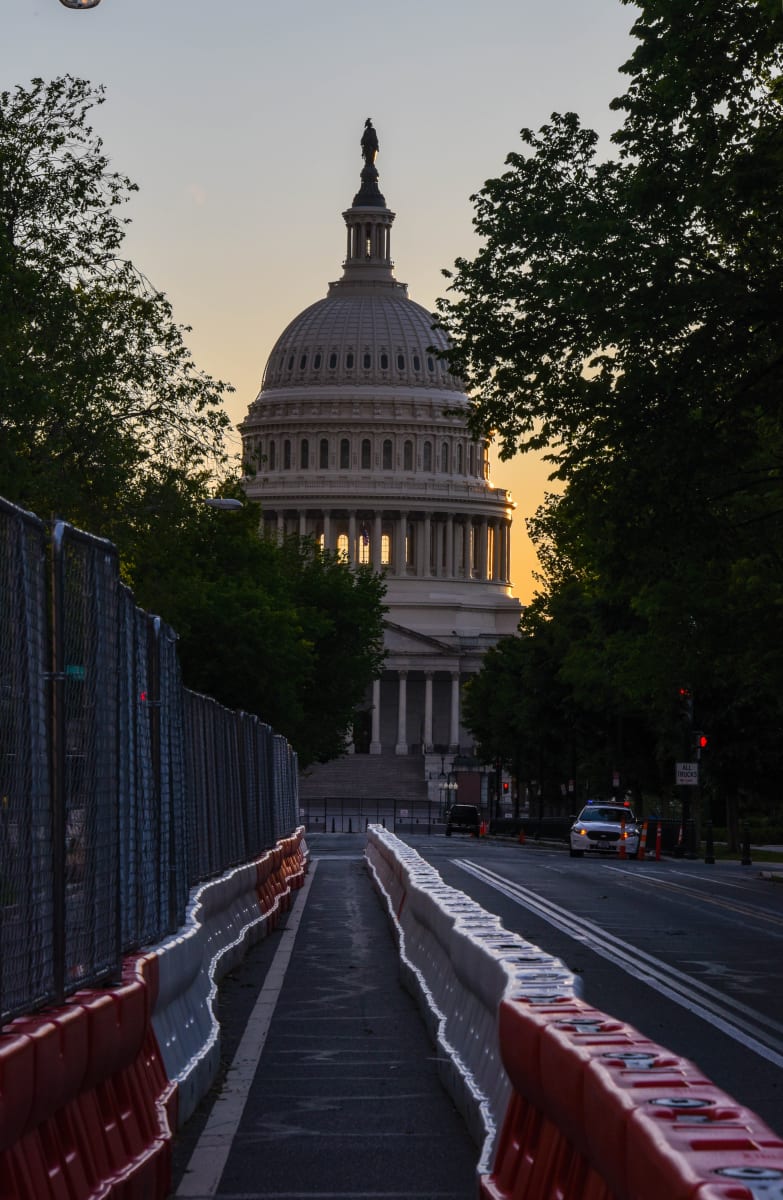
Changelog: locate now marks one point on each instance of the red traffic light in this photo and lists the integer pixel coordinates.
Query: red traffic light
(702, 741)
(505, 787)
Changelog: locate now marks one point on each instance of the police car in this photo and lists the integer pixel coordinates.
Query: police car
(603, 828)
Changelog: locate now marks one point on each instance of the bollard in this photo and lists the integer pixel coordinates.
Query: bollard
(383, 822)
(709, 855)
(746, 859)
(332, 824)
(350, 825)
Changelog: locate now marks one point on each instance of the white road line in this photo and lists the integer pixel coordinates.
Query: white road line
(207, 1163)
(743, 1024)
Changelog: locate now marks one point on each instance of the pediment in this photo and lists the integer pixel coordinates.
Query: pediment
(399, 639)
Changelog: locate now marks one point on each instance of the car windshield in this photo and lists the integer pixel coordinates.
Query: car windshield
(605, 814)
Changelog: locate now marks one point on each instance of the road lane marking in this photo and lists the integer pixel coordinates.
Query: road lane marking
(737, 1020)
(207, 1163)
(737, 906)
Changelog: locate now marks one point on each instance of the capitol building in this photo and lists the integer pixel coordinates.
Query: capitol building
(361, 442)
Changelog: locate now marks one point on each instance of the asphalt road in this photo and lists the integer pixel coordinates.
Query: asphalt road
(690, 954)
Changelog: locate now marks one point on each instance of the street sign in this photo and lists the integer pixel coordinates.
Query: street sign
(687, 774)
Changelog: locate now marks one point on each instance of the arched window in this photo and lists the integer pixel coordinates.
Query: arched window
(332, 361)
(384, 362)
(364, 545)
(317, 362)
(342, 545)
(272, 455)
(304, 454)
(345, 454)
(323, 454)
(367, 361)
(430, 363)
(291, 363)
(444, 457)
(286, 455)
(387, 454)
(485, 462)
(385, 549)
(407, 456)
(460, 458)
(366, 454)
(303, 362)
(471, 459)
(416, 363)
(400, 362)
(427, 464)
(349, 362)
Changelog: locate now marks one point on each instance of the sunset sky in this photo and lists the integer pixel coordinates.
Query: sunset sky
(240, 122)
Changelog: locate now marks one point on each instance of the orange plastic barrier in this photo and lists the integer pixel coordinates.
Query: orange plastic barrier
(600, 1112)
(98, 1110)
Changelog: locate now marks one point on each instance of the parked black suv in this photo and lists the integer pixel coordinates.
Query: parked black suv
(464, 818)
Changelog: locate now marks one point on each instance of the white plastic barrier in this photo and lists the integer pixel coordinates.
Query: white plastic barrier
(460, 962)
(223, 918)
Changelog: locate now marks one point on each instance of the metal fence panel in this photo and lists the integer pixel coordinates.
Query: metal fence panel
(26, 908)
(119, 789)
(86, 625)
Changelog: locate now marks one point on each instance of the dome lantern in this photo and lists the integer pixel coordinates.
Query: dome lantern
(368, 221)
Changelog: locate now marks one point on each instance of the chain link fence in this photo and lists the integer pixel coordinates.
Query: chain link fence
(119, 789)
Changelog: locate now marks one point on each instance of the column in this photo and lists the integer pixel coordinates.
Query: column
(450, 546)
(482, 548)
(454, 733)
(302, 522)
(375, 549)
(497, 545)
(400, 565)
(402, 713)
(468, 564)
(375, 735)
(280, 524)
(352, 556)
(428, 712)
(426, 548)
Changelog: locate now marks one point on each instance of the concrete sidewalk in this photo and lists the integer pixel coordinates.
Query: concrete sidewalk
(333, 1089)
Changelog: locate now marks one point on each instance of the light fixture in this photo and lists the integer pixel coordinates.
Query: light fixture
(80, 3)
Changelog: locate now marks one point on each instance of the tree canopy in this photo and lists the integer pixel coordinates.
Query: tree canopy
(624, 316)
(105, 421)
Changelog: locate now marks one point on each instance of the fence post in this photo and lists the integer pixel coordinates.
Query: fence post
(58, 760)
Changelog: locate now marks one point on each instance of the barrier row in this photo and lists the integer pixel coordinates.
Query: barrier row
(91, 1093)
(460, 962)
(588, 1107)
(601, 1112)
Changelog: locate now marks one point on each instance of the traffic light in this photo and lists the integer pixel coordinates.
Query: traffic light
(685, 697)
(505, 788)
(700, 742)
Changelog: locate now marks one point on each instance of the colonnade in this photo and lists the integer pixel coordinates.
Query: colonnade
(401, 745)
(420, 544)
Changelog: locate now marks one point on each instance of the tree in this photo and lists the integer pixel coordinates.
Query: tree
(97, 386)
(625, 317)
(105, 421)
(287, 631)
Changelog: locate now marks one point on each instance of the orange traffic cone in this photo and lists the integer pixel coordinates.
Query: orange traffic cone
(640, 853)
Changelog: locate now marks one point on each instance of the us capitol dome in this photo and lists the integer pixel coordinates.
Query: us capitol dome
(358, 438)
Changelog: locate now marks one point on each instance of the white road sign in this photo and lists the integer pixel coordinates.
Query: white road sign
(687, 774)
